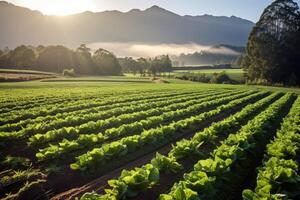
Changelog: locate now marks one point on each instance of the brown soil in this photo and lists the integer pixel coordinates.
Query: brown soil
(15, 77)
(160, 81)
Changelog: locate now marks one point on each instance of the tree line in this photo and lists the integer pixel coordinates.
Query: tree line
(146, 66)
(81, 60)
(58, 58)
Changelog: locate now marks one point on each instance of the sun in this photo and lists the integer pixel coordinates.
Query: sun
(58, 10)
(61, 7)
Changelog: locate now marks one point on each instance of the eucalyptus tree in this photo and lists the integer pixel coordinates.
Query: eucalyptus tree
(273, 49)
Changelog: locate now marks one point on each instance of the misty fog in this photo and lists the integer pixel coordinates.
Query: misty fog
(137, 50)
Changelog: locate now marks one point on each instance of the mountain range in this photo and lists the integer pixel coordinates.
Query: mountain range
(155, 25)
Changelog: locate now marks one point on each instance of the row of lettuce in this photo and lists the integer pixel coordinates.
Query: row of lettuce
(208, 174)
(18, 178)
(98, 122)
(102, 110)
(8, 106)
(156, 136)
(141, 106)
(130, 183)
(279, 177)
(101, 117)
(168, 107)
(47, 99)
(78, 105)
(11, 107)
(140, 122)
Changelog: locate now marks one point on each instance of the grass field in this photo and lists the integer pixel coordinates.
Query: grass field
(69, 137)
(235, 74)
(109, 79)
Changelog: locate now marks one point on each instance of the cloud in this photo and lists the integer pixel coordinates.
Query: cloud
(151, 50)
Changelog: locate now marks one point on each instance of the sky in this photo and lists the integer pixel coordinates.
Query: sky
(247, 9)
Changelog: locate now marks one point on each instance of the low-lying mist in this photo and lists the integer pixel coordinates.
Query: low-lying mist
(137, 50)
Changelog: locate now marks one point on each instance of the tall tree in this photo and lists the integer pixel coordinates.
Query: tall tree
(56, 59)
(21, 57)
(154, 66)
(84, 61)
(166, 63)
(143, 65)
(2, 58)
(273, 49)
(106, 62)
(128, 64)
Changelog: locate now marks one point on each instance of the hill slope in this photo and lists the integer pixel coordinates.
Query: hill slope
(154, 25)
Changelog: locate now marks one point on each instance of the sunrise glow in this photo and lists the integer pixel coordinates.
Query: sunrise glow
(60, 7)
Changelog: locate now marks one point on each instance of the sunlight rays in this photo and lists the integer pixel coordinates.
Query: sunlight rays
(60, 7)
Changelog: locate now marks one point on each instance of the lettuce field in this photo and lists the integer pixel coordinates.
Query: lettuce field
(140, 141)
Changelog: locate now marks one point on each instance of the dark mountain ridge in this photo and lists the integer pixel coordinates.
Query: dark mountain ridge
(154, 25)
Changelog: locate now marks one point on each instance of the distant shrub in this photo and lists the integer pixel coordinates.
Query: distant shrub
(202, 78)
(221, 78)
(194, 77)
(69, 72)
(258, 82)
